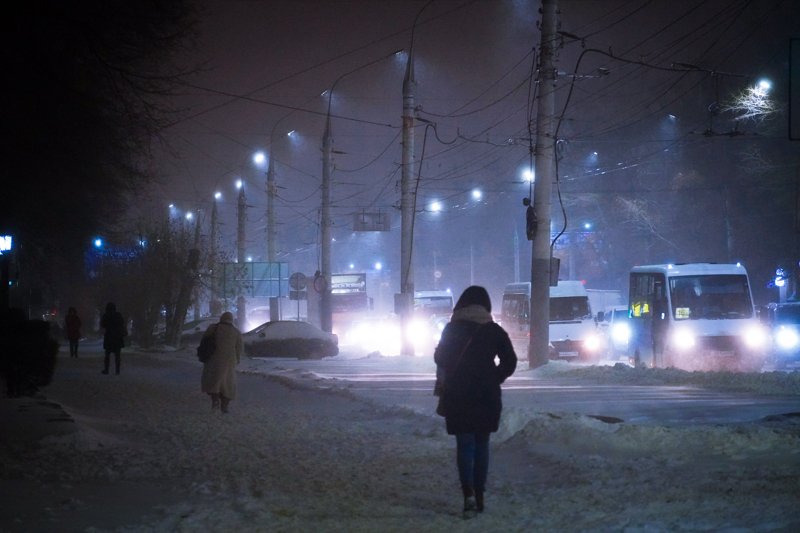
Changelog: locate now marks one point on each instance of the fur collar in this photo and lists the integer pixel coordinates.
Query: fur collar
(473, 313)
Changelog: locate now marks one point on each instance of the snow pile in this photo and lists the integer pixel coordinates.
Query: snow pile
(303, 452)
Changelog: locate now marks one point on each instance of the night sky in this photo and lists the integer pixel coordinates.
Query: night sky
(652, 166)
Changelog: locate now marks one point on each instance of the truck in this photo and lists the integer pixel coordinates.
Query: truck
(695, 316)
(572, 329)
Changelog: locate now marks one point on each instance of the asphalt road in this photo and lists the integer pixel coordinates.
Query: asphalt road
(408, 383)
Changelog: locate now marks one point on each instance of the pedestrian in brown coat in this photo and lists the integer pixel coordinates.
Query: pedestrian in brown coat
(219, 371)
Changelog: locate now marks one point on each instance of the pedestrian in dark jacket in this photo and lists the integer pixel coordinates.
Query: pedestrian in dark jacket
(72, 324)
(469, 381)
(114, 336)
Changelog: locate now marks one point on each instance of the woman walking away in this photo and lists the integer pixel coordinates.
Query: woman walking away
(219, 371)
(468, 380)
(114, 336)
(72, 324)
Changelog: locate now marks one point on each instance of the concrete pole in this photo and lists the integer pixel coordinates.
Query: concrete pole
(272, 236)
(241, 312)
(407, 206)
(325, 309)
(213, 250)
(538, 353)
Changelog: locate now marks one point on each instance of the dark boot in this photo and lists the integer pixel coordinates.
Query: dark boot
(223, 403)
(214, 401)
(479, 501)
(470, 505)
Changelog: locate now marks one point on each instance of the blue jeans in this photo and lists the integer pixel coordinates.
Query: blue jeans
(472, 458)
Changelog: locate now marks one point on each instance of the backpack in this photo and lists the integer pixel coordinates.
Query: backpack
(207, 346)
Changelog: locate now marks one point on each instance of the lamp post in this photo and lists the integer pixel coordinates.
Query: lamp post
(407, 196)
(325, 308)
(241, 217)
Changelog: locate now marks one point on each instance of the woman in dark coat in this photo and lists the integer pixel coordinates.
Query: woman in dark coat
(114, 336)
(469, 380)
(72, 323)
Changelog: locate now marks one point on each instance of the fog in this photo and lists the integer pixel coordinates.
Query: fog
(654, 163)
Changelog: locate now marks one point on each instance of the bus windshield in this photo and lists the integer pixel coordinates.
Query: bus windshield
(710, 297)
(515, 307)
(569, 308)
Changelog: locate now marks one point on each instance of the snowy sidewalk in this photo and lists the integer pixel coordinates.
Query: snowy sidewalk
(145, 453)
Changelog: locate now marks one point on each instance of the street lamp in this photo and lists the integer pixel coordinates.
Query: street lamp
(326, 312)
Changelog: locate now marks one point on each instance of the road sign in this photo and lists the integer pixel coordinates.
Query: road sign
(297, 281)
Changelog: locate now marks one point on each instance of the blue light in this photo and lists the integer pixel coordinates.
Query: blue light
(98, 243)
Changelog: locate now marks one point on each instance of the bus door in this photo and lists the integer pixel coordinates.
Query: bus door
(649, 312)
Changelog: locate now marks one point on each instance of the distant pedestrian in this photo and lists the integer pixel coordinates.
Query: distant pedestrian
(72, 325)
(219, 371)
(468, 380)
(114, 336)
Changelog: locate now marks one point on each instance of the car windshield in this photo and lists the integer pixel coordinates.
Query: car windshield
(716, 296)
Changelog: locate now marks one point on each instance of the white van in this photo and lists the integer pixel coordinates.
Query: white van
(573, 331)
(695, 316)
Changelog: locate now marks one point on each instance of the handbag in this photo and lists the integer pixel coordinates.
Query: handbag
(207, 346)
(439, 387)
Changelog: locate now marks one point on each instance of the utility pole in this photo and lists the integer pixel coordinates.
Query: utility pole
(404, 302)
(241, 314)
(326, 311)
(325, 308)
(271, 188)
(538, 352)
(212, 260)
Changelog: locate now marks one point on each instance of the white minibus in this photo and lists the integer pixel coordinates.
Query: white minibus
(694, 316)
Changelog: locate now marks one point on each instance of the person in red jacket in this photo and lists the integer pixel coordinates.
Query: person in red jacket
(72, 324)
(468, 379)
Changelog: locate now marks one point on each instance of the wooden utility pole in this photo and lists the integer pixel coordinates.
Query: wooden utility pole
(544, 153)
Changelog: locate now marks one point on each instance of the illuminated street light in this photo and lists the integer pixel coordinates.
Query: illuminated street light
(259, 158)
(477, 194)
(239, 184)
(436, 206)
(217, 195)
(98, 243)
(528, 175)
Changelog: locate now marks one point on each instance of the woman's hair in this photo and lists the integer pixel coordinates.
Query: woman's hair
(474, 295)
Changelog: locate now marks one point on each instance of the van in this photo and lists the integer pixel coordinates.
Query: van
(572, 329)
(695, 316)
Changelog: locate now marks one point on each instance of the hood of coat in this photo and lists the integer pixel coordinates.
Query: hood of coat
(473, 313)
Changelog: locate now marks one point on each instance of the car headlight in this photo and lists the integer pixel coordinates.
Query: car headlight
(683, 338)
(591, 343)
(621, 333)
(787, 338)
(755, 337)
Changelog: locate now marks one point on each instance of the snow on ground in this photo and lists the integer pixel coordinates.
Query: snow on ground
(143, 452)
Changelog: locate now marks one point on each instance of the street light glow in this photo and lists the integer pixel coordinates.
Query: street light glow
(436, 206)
(477, 194)
(259, 158)
(239, 184)
(528, 175)
(217, 195)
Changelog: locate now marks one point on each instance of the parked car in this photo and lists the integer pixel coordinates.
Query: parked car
(615, 326)
(290, 338)
(783, 321)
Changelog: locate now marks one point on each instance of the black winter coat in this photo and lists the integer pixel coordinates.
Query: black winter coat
(472, 396)
(114, 336)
